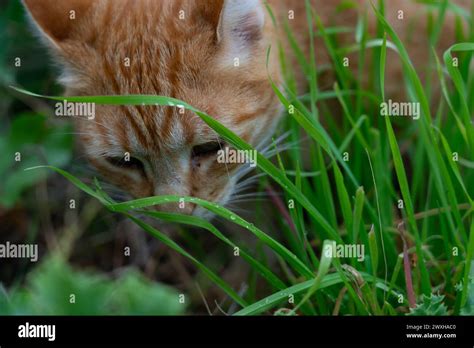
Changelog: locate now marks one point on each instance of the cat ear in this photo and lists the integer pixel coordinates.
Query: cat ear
(58, 20)
(241, 25)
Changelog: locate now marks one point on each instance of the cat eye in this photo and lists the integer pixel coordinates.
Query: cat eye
(207, 149)
(132, 163)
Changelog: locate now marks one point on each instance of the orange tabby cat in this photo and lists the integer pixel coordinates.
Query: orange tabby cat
(209, 53)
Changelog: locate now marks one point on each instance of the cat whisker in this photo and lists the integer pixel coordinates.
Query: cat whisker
(251, 194)
(240, 188)
(244, 188)
(269, 142)
(235, 209)
(248, 197)
(240, 201)
(243, 171)
(251, 179)
(277, 148)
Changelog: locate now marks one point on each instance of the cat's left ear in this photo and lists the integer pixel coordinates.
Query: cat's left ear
(240, 26)
(60, 20)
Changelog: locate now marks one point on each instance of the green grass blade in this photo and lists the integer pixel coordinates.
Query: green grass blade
(201, 223)
(403, 183)
(323, 269)
(173, 245)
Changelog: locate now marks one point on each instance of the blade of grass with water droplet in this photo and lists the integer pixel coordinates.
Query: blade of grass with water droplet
(286, 254)
(198, 222)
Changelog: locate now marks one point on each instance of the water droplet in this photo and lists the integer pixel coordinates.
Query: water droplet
(232, 217)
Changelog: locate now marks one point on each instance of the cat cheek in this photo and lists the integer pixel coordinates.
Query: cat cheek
(132, 183)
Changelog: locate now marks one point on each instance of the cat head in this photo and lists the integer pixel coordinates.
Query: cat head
(209, 53)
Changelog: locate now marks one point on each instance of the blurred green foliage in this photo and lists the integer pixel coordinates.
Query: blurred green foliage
(30, 141)
(37, 138)
(50, 286)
